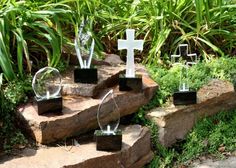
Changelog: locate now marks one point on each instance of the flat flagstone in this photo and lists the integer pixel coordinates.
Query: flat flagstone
(175, 122)
(79, 114)
(107, 77)
(135, 152)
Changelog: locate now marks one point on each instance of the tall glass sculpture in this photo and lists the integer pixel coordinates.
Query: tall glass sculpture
(109, 137)
(185, 60)
(84, 47)
(130, 81)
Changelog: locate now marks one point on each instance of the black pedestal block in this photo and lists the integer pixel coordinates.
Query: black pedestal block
(86, 76)
(108, 142)
(49, 105)
(128, 84)
(185, 98)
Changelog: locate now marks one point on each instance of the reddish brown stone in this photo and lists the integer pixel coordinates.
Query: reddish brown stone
(135, 152)
(107, 77)
(79, 114)
(175, 122)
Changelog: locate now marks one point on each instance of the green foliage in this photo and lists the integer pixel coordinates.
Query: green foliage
(210, 134)
(207, 137)
(35, 31)
(62, 65)
(18, 91)
(29, 35)
(5, 59)
(167, 81)
(15, 140)
(164, 24)
(168, 77)
(11, 95)
(163, 158)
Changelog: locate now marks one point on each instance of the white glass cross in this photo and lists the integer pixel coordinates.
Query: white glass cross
(176, 59)
(183, 51)
(130, 44)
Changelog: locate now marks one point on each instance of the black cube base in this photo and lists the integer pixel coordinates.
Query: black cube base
(89, 76)
(108, 142)
(49, 105)
(128, 84)
(185, 98)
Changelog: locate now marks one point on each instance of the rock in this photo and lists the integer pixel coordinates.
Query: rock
(79, 114)
(214, 89)
(135, 152)
(175, 122)
(113, 59)
(107, 77)
(221, 149)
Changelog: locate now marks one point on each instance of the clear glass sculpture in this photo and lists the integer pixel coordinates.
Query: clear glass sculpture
(47, 83)
(130, 44)
(108, 114)
(184, 60)
(84, 45)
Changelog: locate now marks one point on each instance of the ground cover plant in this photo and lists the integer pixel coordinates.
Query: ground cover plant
(168, 77)
(213, 136)
(11, 95)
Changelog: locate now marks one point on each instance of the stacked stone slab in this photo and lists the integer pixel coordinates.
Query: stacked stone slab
(79, 116)
(175, 122)
(136, 152)
(79, 113)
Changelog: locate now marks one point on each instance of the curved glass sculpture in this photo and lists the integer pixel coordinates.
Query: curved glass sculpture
(47, 83)
(108, 114)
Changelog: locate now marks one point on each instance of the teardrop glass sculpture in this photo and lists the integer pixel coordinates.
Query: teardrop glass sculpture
(108, 114)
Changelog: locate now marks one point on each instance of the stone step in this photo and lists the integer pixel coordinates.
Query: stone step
(135, 152)
(107, 77)
(175, 122)
(79, 114)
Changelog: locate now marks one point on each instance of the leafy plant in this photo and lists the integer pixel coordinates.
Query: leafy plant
(5, 59)
(210, 134)
(10, 96)
(36, 31)
(214, 135)
(205, 25)
(18, 91)
(168, 77)
(29, 35)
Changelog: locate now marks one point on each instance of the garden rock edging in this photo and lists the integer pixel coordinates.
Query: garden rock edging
(175, 122)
